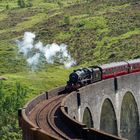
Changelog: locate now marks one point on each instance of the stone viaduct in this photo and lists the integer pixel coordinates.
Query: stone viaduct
(111, 105)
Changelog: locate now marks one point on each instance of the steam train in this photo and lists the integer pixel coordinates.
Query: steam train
(92, 74)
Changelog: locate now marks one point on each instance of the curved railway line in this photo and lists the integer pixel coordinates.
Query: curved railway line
(45, 118)
(44, 115)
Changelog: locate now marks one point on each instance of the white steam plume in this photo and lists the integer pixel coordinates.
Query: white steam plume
(51, 52)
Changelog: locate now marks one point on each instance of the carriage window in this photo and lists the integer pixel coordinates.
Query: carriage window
(118, 68)
(105, 71)
(137, 65)
(125, 68)
(133, 66)
(112, 70)
(109, 71)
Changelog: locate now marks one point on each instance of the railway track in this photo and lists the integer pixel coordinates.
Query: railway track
(47, 116)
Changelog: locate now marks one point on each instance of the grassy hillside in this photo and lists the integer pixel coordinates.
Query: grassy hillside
(96, 32)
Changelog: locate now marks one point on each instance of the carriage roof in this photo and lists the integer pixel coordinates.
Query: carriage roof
(134, 61)
(114, 64)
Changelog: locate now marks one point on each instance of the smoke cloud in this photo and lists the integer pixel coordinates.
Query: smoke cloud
(35, 53)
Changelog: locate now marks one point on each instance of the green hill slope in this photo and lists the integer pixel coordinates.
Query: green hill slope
(95, 31)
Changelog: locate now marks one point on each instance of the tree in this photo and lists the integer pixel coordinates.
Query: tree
(21, 3)
(29, 3)
(7, 6)
(9, 105)
(60, 4)
(66, 20)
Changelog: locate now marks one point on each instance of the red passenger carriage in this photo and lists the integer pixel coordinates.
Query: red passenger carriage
(134, 65)
(114, 69)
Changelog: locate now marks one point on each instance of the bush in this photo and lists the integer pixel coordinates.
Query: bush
(21, 3)
(66, 20)
(9, 105)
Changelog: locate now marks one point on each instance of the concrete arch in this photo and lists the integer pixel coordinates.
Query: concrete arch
(129, 117)
(108, 121)
(87, 118)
